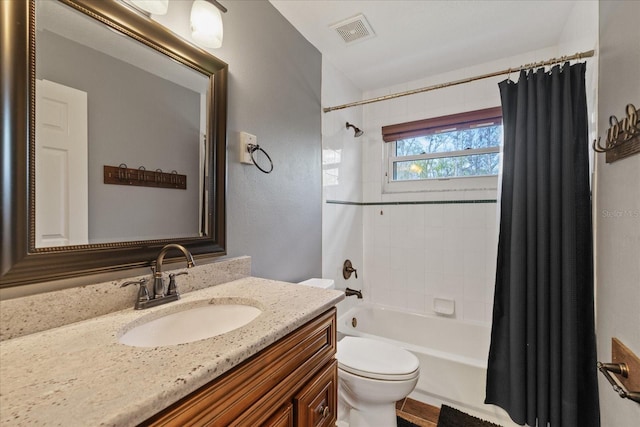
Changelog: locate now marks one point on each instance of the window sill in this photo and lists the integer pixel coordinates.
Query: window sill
(484, 183)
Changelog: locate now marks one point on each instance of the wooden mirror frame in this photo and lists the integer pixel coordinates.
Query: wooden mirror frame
(21, 262)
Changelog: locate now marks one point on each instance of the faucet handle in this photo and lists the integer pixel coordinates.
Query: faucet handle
(143, 291)
(347, 270)
(172, 289)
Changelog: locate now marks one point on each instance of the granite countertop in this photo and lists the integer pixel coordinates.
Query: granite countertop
(80, 375)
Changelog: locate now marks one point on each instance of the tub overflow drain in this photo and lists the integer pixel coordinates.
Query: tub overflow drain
(354, 322)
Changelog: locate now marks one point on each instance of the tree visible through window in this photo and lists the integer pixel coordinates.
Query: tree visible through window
(462, 145)
(447, 144)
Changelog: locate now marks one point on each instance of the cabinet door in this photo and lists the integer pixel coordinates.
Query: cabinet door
(281, 418)
(316, 404)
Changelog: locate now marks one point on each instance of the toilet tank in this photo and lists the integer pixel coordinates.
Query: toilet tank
(320, 283)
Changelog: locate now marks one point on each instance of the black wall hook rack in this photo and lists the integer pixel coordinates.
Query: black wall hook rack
(141, 177)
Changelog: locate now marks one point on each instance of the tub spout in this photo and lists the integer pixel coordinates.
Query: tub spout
(348, 292)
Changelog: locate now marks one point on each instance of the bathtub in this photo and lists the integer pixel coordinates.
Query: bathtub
(452, 355)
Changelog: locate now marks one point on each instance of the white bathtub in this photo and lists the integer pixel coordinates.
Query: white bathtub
(452, 355)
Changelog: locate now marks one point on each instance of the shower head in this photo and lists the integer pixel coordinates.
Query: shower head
(357, 131)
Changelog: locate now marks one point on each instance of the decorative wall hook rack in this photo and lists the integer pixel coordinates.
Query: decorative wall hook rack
(623, 137)
(141, 177)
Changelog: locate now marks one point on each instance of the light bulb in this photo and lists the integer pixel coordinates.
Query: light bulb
(206, 24)
(155, 7)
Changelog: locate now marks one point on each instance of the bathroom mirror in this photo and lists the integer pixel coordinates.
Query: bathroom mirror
(145, 100)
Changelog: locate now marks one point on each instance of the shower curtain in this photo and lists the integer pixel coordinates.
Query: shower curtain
(542, 359)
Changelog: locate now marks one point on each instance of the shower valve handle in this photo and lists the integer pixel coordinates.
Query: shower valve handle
(347, 269)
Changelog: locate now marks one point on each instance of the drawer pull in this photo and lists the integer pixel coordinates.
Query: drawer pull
(324, 410)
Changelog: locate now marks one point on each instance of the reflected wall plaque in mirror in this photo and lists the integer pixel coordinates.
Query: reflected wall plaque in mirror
(120, 89)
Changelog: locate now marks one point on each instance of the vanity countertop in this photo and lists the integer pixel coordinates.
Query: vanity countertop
(80, 375)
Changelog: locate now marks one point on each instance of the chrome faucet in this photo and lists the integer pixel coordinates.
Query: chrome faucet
(158, 281)
(159, 297)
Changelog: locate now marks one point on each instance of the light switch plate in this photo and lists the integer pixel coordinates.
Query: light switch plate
(246, 139)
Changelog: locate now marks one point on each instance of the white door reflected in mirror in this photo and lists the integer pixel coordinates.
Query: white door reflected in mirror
(61, 166)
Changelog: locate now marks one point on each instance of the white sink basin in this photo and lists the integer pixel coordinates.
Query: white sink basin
(191, 324)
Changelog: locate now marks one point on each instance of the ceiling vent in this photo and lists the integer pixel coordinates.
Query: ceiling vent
(354, 29)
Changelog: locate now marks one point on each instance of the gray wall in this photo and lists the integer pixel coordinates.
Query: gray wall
(274, 93)
(126, 106)
(617, 198)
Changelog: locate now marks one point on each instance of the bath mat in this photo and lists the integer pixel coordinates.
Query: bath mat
(404, 423)
(451, 417)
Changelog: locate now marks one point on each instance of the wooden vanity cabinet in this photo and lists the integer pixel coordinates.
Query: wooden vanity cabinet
(316, 404)
(291, 383)
(282, 418)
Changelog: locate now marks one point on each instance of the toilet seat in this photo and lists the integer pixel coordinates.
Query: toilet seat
(376, 359)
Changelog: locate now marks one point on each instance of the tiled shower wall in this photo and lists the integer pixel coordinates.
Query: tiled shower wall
(412, 247)
(432, 244)
(416, 252)
(341, 180)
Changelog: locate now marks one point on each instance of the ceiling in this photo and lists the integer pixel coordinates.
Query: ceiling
(79, 28)
(418, 38)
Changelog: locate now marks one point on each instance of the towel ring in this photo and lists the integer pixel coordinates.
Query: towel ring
(252, 148)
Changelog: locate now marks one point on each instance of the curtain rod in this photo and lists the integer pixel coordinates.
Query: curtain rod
(552, 61)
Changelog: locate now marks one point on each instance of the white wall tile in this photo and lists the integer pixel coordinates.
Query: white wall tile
(433, 215)
(342, 225)
(488, 312)
(474, 215)
(398, 282)
(432, 279)
(475, 240)
(416, 301)
(416, 278)
(453, 215)
(474, 311)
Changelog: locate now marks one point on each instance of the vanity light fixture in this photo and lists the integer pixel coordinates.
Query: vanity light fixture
(206, 23)
(155, 7)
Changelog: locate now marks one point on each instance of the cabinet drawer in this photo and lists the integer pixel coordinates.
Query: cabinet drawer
(282, 418)
(317, 403)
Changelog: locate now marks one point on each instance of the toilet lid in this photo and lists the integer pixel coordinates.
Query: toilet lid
(376, 359)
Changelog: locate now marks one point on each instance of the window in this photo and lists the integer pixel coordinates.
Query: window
(456, 146)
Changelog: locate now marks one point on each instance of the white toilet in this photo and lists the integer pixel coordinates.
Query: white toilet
(372, 376)
(319, 283)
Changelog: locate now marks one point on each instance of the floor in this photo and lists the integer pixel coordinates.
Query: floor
(418, 413)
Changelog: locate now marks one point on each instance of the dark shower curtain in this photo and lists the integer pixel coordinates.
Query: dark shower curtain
(542, 360)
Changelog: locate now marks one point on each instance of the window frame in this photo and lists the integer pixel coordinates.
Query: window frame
(460, 121)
